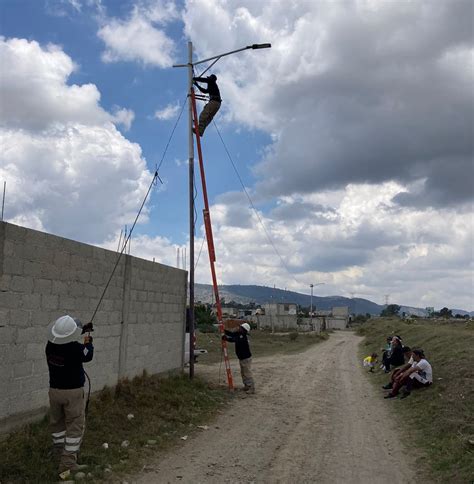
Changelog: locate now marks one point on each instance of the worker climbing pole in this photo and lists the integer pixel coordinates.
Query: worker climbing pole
(210, 243)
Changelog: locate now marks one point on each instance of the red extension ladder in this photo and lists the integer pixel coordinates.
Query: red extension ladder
(210, 244)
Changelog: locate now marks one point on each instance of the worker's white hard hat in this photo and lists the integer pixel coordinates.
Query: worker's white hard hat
(246, 326)
(64, 330)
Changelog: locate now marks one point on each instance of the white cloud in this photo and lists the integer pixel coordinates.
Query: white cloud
(352, 92)
(68, 169)
(370, 109)
(138, 38)
(168, 112)
(124, 117)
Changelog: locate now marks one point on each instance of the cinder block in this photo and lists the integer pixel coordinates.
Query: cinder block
(62, 259)
(22, 284)
(5, 282)
(33, 268)
(8, 334)
(60, 288)
(22, 369)
(76, 289)
(13, 266)
(32, 334)
(35, 351)
(19, 318)
(33, 383)
(49, 301)
(31, 301)
(91, 291)
(67, 303)
(42, 286)
(40, 366)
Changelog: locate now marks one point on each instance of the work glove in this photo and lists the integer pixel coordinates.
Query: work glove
(87, 328)
(88, 339)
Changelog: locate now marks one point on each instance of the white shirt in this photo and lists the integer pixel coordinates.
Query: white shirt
(425, 372)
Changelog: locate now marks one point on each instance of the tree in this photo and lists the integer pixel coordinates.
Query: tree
(391, 310)
(445, 313)
(203, 315)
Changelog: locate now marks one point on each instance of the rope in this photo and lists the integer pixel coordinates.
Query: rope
(126, 240)
(199, 255)
(171, 135)
(253, 206)
(155, 176)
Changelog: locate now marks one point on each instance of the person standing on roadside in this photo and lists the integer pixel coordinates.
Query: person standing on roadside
(65, 356)
(242, 350)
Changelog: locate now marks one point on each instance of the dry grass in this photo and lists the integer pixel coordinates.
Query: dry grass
(164, 408)
(440, 419)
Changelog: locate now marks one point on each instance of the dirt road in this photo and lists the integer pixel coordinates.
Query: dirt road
(314, 419)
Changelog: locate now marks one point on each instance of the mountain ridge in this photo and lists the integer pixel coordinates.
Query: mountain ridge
(245, 294)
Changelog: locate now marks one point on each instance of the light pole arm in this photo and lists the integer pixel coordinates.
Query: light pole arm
(217, 57)
(253, 46)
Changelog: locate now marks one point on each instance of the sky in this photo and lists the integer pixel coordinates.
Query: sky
(353, 137)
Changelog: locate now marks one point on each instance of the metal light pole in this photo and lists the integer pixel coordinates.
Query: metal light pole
(311, 310)
(190, 65)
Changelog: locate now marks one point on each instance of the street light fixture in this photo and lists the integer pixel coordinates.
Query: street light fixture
(190, 65)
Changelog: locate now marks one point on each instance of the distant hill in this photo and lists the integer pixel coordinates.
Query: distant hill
(263, 294)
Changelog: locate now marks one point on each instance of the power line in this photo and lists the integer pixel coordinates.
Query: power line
(253, 206)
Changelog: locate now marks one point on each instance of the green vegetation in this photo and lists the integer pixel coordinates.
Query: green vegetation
(390, 310)
(204, 318)
(440, 419)
(262, 343)
(164, 410)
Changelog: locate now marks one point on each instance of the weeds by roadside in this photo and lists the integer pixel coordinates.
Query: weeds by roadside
(164, 410)
(439, 420)
(262, 343)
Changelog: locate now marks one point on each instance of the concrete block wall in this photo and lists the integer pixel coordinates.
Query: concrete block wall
(139, 326)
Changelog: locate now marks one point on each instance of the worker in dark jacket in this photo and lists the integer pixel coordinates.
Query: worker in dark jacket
(65, 356)
(214, 104)
(242, 350)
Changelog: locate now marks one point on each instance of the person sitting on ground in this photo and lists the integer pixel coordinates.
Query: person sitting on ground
(242, 350)
(408, 355)
(420, 375)
(214, 104)
(396, 355)
(369, 361)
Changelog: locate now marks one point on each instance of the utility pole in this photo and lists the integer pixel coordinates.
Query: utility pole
(311, 306)
(191, 211)
(191, 100)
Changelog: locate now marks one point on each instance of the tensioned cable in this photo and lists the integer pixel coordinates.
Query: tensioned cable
(153, 183)
(199, 255)
(171, 135)
(252, 204)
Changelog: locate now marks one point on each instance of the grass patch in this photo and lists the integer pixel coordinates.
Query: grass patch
(440, 419)
(262, 343)
(164, 410)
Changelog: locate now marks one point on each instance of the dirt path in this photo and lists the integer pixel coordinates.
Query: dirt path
(314, 418)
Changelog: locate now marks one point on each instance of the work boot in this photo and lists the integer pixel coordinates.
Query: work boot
(388, 386)
(390, 396)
